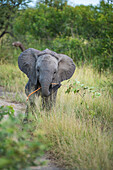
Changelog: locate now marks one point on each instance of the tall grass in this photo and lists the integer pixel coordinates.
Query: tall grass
(78, 143)
(79, 129)
(80, 134)
(12, 78)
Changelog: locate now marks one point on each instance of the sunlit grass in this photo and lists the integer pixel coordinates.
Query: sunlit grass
(78, 143)
(12, 78)
(80, 129)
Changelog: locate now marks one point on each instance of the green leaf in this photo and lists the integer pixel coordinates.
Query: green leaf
(86, 87)
(97, 94)
(82, 85)
(78, 82)
(4, 162)
(73, 89)
(91, 88)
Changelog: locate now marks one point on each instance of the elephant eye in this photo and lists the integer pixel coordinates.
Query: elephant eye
(38, 70)
(54, 72)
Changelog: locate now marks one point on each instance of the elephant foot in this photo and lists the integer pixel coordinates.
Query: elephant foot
(25, 120)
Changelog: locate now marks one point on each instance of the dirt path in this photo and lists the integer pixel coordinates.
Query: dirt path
(4, 100)
(21, 108)
(16, 106)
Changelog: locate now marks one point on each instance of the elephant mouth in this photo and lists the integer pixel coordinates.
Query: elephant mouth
(38, 85)
(50, 88)
(54, 88)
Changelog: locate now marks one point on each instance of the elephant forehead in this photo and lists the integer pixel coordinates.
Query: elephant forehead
(47, 59)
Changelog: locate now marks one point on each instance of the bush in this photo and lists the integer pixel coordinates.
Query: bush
(95, 51)
(20, 144)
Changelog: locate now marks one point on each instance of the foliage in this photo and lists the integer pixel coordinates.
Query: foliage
(82, 32)
(59, 4)
(8, 110)
(8, 10)
(46, 22)
(18, 141)
(85, 21)
(94, 51)
(77, 87)
(83, 90)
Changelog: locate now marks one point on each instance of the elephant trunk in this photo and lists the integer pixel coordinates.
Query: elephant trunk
(45, 90)
(45, 80)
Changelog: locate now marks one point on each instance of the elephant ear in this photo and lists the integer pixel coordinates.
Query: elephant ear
(27, 62)
(66, 67)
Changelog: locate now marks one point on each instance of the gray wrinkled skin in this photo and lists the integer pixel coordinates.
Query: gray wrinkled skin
(43, 68)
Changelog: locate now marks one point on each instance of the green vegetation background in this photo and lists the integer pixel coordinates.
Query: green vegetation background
(85, 33)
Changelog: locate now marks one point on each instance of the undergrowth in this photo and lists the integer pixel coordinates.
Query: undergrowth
(21, 145)
(79, 128)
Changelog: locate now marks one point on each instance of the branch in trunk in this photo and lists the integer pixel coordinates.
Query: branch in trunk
(20, 45)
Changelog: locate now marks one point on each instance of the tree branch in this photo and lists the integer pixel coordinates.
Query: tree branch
(2, 34)
(7, 32)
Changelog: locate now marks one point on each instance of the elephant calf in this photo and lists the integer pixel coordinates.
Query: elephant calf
(44, 68)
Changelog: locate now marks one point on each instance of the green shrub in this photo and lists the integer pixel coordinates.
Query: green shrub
(20, 144)
(97, 52)
(6, 110)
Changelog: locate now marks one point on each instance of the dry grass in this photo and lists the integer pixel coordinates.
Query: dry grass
(79, 129)
(80, 134)
(14, 81)
(12, 78)
(78, 143)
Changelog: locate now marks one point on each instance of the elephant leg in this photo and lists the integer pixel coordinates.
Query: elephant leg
(45, 103)
(54, 98)
(31, 107)
(48, 102)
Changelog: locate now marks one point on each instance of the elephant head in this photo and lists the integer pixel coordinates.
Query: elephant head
(45, 67)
